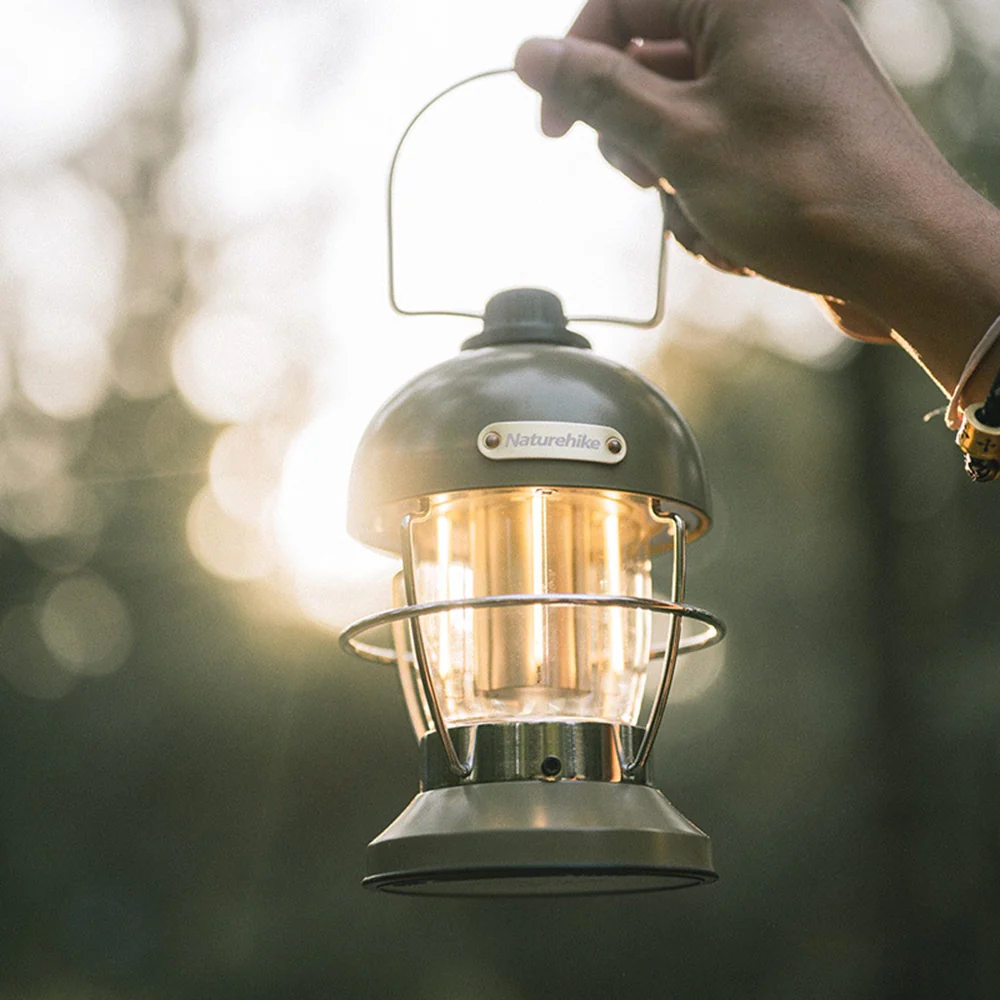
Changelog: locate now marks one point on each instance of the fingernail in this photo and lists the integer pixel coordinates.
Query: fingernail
(536, 61)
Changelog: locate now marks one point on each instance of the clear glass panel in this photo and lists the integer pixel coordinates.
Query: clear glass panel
(536, 662)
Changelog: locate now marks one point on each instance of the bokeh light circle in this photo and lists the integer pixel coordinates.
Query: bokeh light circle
(85, 625)
(26, 663)
(228, 365)
(61, 69)
(225, 546)
(912, 39)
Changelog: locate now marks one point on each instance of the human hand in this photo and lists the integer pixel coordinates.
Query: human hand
(788, 151)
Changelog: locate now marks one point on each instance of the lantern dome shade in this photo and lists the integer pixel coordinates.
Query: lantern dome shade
(426, 439)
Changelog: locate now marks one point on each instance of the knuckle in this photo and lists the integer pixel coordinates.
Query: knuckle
(692, 135)
(598, 91)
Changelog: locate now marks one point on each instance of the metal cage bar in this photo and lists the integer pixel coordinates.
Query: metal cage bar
(412, 612)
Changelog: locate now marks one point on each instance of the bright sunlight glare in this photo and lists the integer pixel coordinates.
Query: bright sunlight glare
(331, 569)
(193, 217)
(284, 176)
(61, 72)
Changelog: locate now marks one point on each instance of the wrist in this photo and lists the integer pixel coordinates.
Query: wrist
(935, 279)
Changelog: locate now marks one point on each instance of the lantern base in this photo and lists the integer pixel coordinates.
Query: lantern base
(568, 749)
(539, 838)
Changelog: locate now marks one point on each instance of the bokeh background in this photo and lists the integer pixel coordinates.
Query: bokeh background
(193, 332)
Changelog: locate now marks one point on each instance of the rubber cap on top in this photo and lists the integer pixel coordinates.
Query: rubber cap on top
(524, 316)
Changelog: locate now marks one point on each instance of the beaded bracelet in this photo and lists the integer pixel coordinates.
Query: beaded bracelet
(979, 428)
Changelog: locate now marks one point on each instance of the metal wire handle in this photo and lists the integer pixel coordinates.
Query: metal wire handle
(661, 268)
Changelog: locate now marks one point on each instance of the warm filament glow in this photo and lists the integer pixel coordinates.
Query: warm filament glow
(613, 568)
(535, 661)
(538, 575)
(444, 584)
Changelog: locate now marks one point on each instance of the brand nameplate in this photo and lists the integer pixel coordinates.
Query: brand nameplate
(552, 439)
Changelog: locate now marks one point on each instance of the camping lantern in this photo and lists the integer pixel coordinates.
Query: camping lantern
(526, 485)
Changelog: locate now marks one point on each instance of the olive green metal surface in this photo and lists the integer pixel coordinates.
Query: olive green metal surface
(539, 838)
(561, 749)
(424, 439)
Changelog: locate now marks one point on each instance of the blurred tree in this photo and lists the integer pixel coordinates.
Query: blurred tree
(189, 771)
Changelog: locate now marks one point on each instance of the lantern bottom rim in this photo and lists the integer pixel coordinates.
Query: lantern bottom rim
(566, 880)
(539, 838)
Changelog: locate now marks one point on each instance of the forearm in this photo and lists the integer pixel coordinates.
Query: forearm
(791, 155)
(932, 271)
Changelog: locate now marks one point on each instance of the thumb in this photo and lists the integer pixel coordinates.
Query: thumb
(629, 105)
(856, 322)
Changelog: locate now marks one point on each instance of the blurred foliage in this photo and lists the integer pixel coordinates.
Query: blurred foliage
(189, 771)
